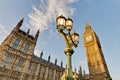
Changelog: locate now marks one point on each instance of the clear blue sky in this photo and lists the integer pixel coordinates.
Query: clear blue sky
(102, 15)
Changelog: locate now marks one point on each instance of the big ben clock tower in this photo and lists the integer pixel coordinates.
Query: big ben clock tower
(96, 63)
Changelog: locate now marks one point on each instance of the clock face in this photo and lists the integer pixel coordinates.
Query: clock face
(88, 38)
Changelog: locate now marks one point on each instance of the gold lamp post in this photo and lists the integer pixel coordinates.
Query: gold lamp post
(64, 27)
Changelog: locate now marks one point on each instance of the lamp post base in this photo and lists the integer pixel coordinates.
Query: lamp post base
(66, 77)
(74, 76)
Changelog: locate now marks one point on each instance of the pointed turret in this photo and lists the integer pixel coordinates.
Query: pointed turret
(80, 71)
(49, 58)
(56, 61)
(37, 34)
(75, 70)
(84, 72)
(41, 55)
(61, 64)
(28, 31)
(19, 25)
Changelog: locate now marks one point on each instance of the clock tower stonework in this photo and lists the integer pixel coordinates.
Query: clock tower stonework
(96, 62)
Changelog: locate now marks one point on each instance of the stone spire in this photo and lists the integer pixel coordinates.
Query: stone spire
(84, 72)
(80, 72)
(61, 64)
(28, 31)
(37, 34)
(49, 58)
(75, 70)
(19, 25)
(41, 54)
(56, 61)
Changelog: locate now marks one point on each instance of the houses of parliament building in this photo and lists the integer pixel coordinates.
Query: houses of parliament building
(18, 62)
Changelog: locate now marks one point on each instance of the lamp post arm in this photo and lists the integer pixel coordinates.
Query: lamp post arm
(64, 35)
(70, 40)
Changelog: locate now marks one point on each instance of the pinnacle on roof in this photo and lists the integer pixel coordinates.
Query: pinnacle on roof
(87, 26)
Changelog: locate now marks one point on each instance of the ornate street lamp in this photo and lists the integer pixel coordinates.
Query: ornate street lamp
(64, 27)
(61, 22)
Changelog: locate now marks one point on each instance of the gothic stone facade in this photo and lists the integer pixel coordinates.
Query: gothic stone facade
(18, 62)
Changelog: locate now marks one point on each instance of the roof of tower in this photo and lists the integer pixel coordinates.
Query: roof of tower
(87, 26)
(20, 22)
(23, 33)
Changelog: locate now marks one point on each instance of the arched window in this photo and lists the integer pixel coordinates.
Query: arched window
(34, 69)
(29, 68)
(7, 60)
(26, 47)
(19, 65)
(16, 43)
